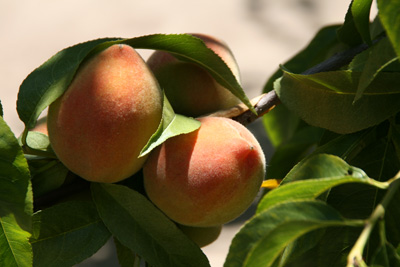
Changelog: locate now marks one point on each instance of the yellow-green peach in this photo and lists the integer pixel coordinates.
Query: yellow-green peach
(191, 90)
(98, 127)
(207, 177)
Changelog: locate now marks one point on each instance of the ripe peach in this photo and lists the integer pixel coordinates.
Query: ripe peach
(202, 236)
(191, 90)
(207, 177)
(98, 127)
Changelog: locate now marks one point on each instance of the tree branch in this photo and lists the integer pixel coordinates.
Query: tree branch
(267, 101)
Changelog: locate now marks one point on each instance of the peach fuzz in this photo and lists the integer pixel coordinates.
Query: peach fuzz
(191, 90)
(207, 177)
(98, 127)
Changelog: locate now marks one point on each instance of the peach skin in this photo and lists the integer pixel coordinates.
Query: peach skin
(207, 177)
(191, 90)
(98, 127)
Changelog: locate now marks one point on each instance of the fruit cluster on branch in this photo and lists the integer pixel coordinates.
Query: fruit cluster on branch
(113, 106)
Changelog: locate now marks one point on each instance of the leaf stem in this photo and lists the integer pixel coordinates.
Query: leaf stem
(37, 152)
(31, 151)
(355, 258)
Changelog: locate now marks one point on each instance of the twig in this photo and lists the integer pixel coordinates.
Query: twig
(267, 101)
(355, 256)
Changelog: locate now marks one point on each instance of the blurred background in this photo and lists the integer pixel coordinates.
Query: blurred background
(261, 33)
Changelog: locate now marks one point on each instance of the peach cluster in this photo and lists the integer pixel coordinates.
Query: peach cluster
(113, 106)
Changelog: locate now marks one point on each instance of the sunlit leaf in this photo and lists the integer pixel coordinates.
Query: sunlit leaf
(326, 99)
(390, 17)
(49, 81)
(262, 239)
(193, 49)
(172, 124)
(379, 56)
(360, 10)
(16, 202)
(312, 177)
(348, 32)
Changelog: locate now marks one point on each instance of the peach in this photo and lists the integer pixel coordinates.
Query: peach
(191, 90)
(207, 177)
(41, 126)
(98, 127)
(202, 236)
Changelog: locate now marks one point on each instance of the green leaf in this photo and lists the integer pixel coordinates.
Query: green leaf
(312, 177)
(360, 10)
(326, 99)
(37, 140)
(308, 189)
(348, 32)
(386, 256)
(193, 49)
(126, 257)
(171, 125)
(49, 81)
(379, 56)
(263, 238)
(270, 247)
(47, 175)
(322, 166)
(390, 19)
(16, 202)
(141, 227)
(280, 123)
(346, 146)
(377, 158)
(67, 234)
(290, 153)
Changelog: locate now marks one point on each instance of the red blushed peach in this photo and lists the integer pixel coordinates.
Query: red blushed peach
(207, 177)
(190, 89)
(112, 107)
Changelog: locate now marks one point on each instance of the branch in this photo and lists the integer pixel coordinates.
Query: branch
(267, 101)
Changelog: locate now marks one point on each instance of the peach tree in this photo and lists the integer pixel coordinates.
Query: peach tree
(331, 113)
